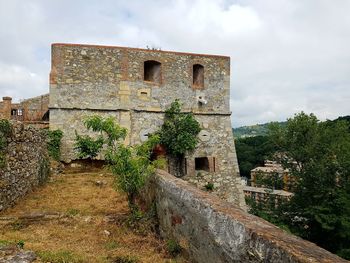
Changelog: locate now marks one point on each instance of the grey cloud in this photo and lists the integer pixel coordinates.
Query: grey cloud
(286, 55)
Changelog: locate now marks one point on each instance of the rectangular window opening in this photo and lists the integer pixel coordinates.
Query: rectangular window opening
(202, 164)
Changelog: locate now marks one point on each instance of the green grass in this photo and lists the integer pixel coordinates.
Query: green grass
(72, 212)
(110, 245)
(125, 259)
(61, 256)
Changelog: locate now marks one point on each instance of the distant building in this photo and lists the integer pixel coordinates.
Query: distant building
(260, 194)
(33, 111)
(274, 171)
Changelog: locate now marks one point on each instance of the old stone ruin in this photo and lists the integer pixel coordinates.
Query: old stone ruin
(136, 86)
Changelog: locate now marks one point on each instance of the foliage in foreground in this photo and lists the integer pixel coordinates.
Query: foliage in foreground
(131, 165)
(5, 130)
(179, 132)
(54, 143)
(317, 155)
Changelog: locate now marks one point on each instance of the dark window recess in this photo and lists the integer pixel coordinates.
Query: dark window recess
(143, 93)
(202, 163)
(13, 112)
(198, 75)
(152, 71)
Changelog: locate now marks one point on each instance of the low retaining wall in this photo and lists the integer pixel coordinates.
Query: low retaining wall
(215, 231)
(27, 163)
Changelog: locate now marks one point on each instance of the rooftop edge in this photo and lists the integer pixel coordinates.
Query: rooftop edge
(139, 49)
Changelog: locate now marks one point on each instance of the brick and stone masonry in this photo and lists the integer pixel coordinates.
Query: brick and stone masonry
(136, 86)
(26, 165)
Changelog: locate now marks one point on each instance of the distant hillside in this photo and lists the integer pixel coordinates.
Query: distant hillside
(261, 129)
(252, 130)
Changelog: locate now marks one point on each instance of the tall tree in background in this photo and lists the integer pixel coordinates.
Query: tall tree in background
(317, 155)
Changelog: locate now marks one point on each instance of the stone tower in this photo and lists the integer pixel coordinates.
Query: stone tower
(136, 86)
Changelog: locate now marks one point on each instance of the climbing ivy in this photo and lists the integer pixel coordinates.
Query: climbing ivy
(5, 130)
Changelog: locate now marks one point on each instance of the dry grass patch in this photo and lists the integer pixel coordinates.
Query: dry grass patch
(84, 233)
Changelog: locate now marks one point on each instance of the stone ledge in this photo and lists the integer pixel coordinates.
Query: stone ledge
(216, 231)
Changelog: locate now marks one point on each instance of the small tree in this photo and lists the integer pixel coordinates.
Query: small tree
(110, 133)
(179, 133)
(131, 165)
(87, 147)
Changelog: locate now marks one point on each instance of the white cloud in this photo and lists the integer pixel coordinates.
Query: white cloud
(286, 55)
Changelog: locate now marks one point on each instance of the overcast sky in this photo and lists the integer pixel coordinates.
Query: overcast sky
(286, 55)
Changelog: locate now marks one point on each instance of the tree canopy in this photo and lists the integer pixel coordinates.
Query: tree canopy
(317, 155)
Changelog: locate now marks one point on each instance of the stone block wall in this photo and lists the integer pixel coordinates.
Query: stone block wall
(114, 81)
(27, 163)
(212, 230)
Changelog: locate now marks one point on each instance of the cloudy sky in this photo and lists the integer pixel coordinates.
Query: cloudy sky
(286, 55)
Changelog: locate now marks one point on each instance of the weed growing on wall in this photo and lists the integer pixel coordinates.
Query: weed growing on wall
(54, 143)
(5, 130)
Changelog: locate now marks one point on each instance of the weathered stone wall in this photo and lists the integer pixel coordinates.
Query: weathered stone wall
(212, 230)
(34, 109)
(86, 80)
(26, 166)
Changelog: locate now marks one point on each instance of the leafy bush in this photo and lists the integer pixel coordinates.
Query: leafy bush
(179, 130)
(173, 247)
(130, 165)
(87, 147)
(5, 130)
(125, 259)
(179, 134)
(54, 143)
(209, 186)
(20, 244)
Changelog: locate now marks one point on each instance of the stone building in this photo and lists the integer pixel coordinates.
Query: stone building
(33, 111)
(272, 169)
(136, 86)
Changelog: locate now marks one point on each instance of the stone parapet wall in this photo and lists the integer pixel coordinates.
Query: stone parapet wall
(27, 163)
(212, 230)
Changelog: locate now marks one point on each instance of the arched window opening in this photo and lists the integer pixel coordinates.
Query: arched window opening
(198, 76)
(13, 112)
(152, 71)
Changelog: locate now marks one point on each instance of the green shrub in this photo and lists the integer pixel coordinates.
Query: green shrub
(72, 212)
(173, 247)
(209, 186)
(5, 130)
(20, 244)
(54, 143)
(125, 259)
(131, 165)
(87, 147)
(179, 134)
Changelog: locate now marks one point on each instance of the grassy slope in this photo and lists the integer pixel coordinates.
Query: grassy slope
(80, 235)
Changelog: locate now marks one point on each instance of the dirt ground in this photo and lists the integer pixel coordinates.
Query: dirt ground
(84, 221)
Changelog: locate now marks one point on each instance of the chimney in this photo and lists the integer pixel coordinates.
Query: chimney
(6, 109)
